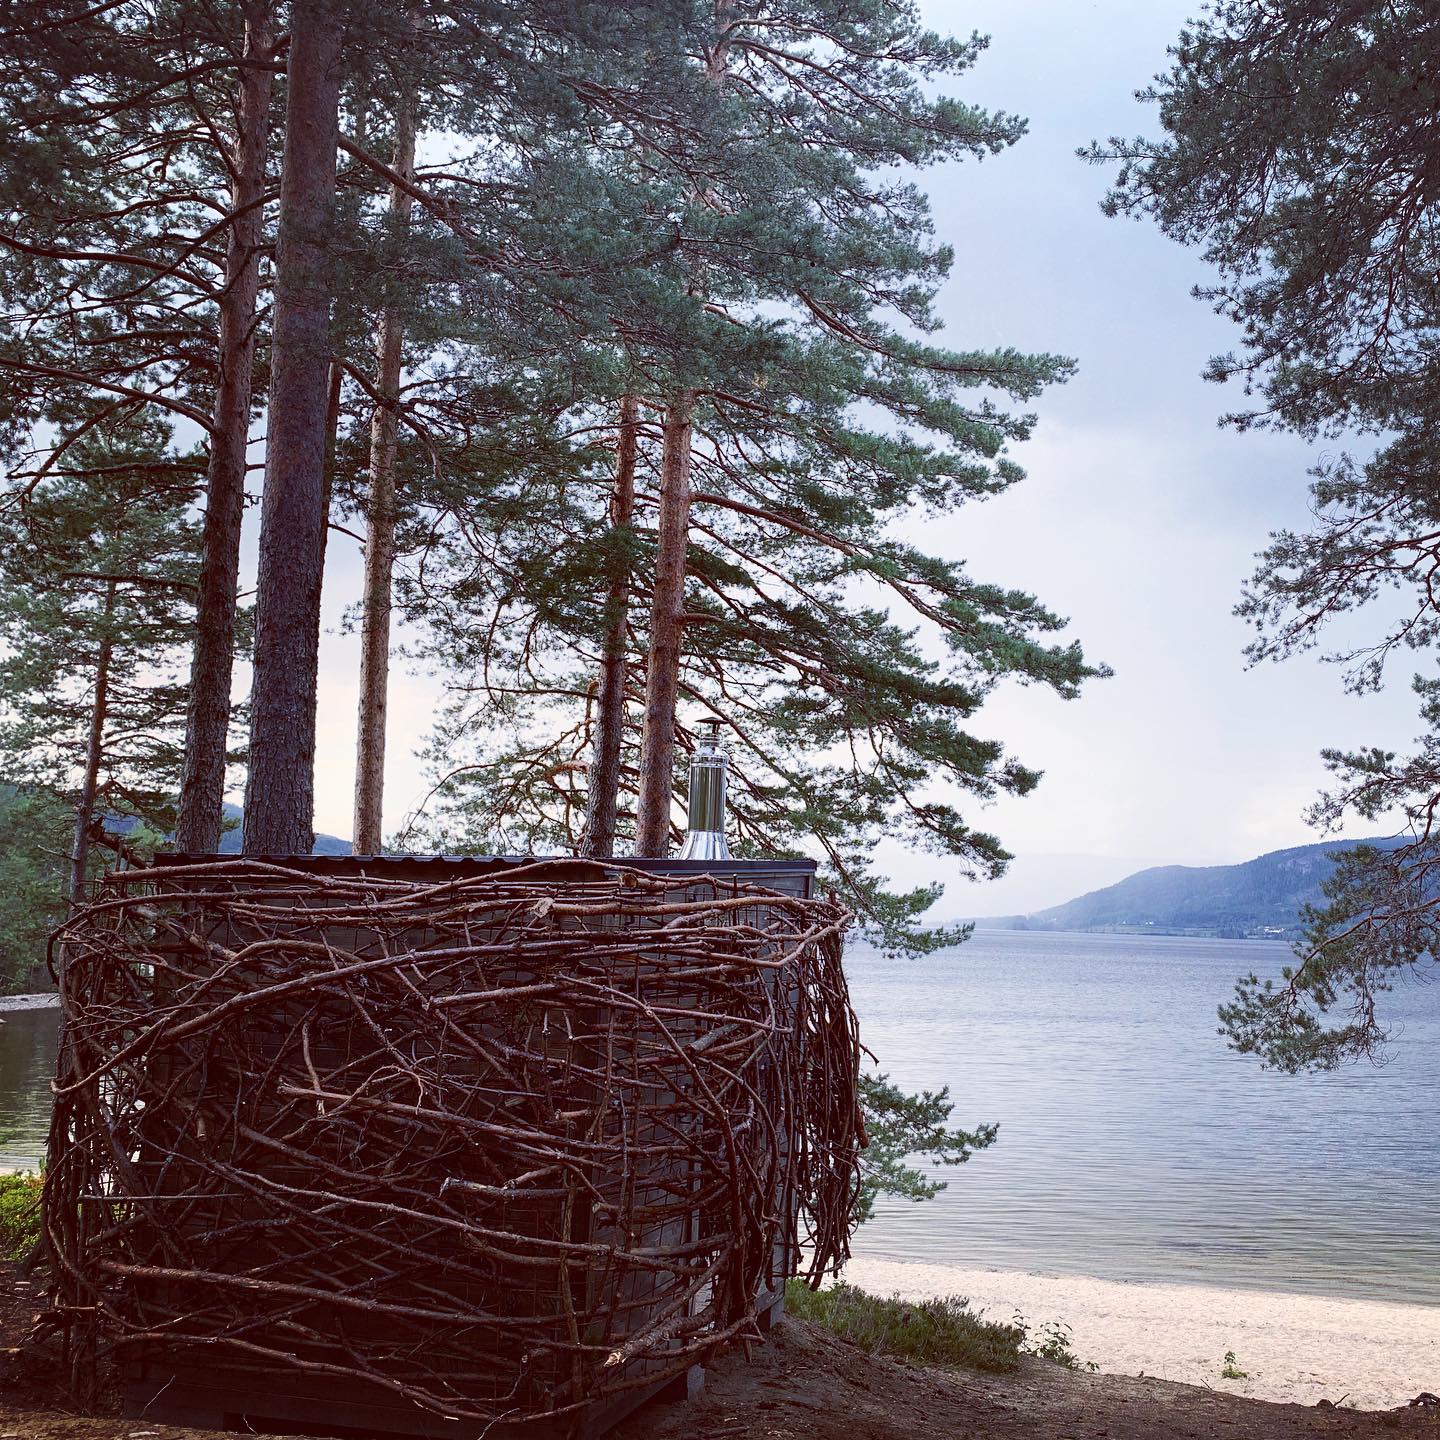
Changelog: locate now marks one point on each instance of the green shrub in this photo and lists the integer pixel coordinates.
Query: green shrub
(19, 1214)
(1052, 1342)
(933, 1332)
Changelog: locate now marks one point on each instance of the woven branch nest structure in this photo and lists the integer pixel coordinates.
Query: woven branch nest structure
(498, 1148)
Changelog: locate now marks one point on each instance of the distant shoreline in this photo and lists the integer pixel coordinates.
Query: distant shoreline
(1261, 899)
(1377, 1354)
(46, 1000)
(995, 923)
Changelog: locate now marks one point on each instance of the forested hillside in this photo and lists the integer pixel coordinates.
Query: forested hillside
(232, 840)
(1260, 898)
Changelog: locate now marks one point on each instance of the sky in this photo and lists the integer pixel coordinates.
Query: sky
(1139, 517)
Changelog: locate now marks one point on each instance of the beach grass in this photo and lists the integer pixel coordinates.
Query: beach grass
(944, 1331)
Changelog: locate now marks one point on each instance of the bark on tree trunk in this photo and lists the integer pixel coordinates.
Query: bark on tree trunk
(662, 674)
(602, 799)
(94, 750)
(380, 533)
(207, 722)
(280, 789)
(667, 607)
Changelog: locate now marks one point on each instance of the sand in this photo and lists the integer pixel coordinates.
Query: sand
(1373, 1354)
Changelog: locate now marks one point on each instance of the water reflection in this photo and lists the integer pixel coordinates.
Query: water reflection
(29, 1040)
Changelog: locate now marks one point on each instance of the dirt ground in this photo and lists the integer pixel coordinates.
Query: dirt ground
(804, 1384)
(809, 1385)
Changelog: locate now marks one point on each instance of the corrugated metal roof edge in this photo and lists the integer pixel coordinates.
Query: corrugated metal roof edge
(468, 862)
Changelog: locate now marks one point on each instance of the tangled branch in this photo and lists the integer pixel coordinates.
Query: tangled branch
(497, 1147)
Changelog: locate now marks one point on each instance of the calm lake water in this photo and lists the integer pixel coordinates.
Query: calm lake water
(1132, 1145)
(28, 1042)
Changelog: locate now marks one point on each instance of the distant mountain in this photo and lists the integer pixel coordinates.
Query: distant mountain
(231, 839)
(1261, 898)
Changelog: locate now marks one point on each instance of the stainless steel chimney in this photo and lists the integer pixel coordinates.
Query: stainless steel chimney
(705, 828)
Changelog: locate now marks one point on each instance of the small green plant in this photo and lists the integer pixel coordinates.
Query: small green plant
(19, 1215)
(1053, 1342)
(1231, 1370)
(931, 1332)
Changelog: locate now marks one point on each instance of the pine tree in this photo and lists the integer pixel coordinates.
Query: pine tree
(774, 589)
(800, 220)
(149, 131)
(604, 778)
(36, 828)
(380, 520)
(654, 800)
(98, 579)
(1298, 154)
(279, 790)
(510, 290)
(578, 67)
(663, 654)
(198, 826)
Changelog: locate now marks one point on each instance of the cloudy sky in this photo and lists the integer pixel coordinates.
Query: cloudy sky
(1138, 519)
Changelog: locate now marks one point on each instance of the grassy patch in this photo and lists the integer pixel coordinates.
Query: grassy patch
(19, 1214)
(932, 1332)
(1230, 1368)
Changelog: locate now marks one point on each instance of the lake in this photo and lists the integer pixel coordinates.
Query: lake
(28, 1043)
(1133, 1145)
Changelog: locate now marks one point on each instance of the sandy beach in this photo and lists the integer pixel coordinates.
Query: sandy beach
(1372, 1354)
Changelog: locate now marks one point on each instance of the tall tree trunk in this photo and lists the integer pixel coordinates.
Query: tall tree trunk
(662, 673)
(280, 790)
(207, 722)
(380, 532)
(667, 608)
(94, 751)
(602, 799)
